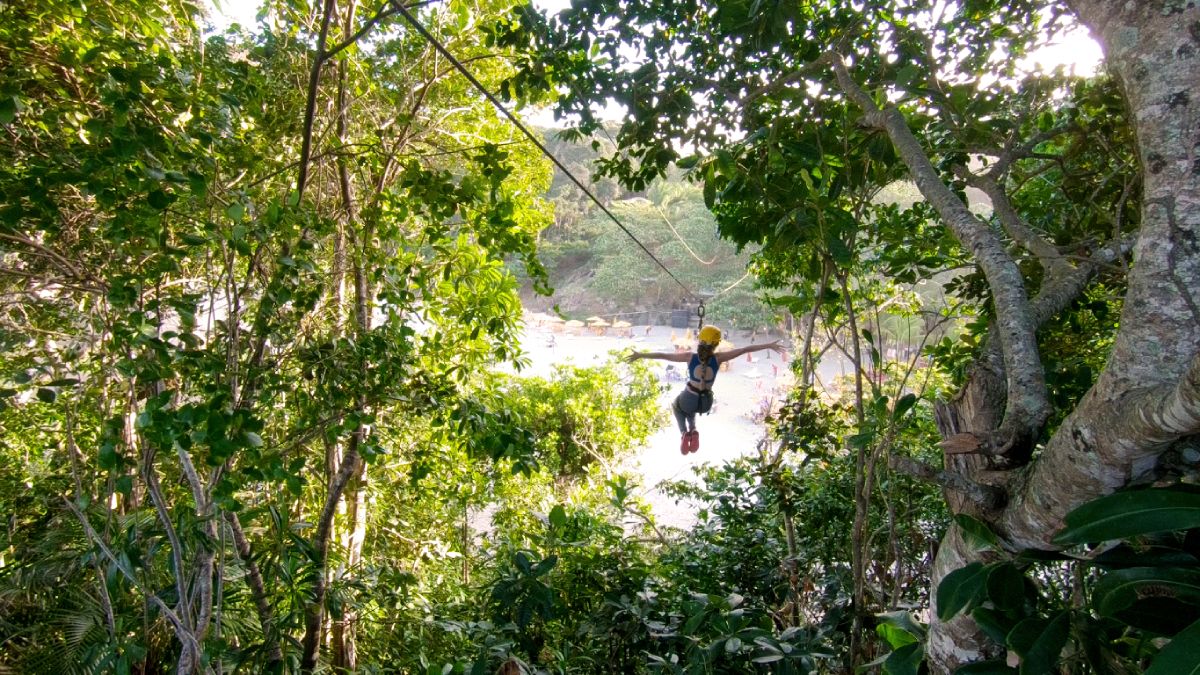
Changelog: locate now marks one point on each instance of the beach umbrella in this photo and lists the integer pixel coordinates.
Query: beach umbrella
(597, 321)
(622, 324)
(553, 319)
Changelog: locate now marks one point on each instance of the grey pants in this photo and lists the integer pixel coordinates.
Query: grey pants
(684, 407)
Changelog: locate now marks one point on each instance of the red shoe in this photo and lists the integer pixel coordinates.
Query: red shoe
(693, 440)
(685, 443)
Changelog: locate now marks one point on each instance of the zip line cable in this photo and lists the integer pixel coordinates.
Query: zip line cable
(678, 236)
(528, 134)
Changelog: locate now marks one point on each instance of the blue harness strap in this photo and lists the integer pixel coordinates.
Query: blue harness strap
(694, 377)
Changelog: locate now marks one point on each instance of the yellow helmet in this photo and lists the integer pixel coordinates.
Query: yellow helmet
(710, 335)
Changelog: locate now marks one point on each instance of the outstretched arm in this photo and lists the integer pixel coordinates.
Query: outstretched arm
(662, 356)
(722, 357)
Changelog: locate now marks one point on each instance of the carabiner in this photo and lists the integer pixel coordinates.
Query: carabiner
(700, 311)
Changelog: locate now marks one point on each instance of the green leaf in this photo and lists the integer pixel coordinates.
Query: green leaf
(840, 252)
(1131, 513)
(253, 439)
(8, 109)
(124, 485)
(1181, 657)
(159, 199)
(235, 211)
(960, 590)
(1157, 599)
(558, 516)
(522, 562)
(905, 660)
(895, 637)
(976, 532)
(903, 405)
(860, 441)
(907, 74)
(902, 621)
(995, 624)
(545, 565)
(1006, 587)
(46, 395)
(1039, 642)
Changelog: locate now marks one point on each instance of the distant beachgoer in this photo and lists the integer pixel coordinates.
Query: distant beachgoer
(703, 364)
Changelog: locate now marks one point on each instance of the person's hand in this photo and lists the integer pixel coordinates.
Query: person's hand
(632, 356)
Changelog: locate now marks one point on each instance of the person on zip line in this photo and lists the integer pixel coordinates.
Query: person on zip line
(703, 364)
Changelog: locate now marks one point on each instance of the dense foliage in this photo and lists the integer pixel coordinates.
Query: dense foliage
(261, 396)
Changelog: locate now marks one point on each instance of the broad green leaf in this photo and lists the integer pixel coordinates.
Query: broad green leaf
(903, 405)
(904, 621)
(46, 395)
(895, 637)
(1039, 642)
(961, 590)
(1161, 600)
(1006, 587)
(976, 532)
(558, 516)
(905, 661)
(996, 624)
(1181, 656)
(124, 485)
(906, 75)
(860, 441)
(545, 565)
(8, 109)
(1131, 513)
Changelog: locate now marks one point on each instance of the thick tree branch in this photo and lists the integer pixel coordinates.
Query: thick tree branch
(258, 590)
(1058, 293)
(1028, 405)
(310, 109)
(314, 613)
(1124, 436)
(1006, 158)
(160, 507)
(986, 497)
(1160, 416)
(1016, 227)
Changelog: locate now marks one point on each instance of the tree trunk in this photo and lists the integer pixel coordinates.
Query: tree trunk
(343, 648)
(1148, 396)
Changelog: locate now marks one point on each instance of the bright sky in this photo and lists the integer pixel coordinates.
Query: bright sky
(1075, 50)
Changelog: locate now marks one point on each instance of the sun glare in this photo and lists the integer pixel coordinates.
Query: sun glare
(1076, 51)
